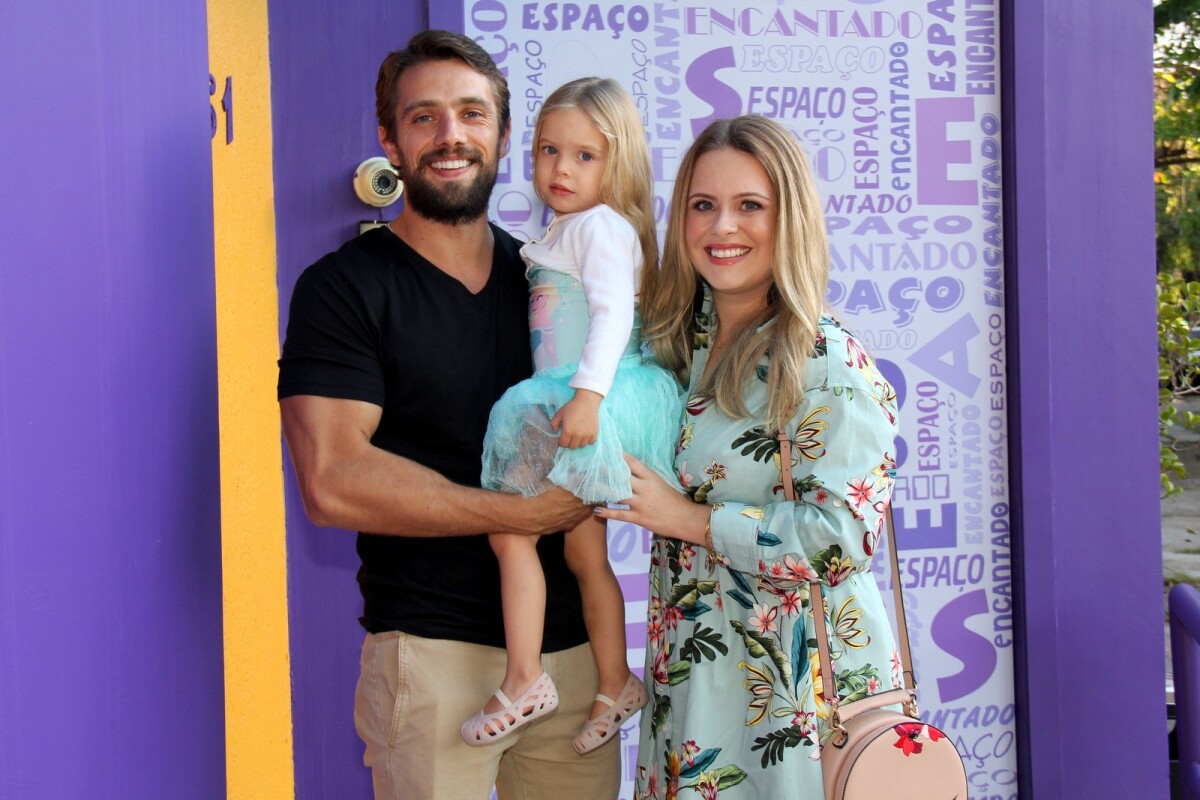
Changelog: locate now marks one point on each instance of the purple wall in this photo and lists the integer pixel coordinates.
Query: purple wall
(324, 61)
(110, 587)
(1081, 261)
(1081, 353)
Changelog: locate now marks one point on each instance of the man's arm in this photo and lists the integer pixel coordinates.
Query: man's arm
(347, 482)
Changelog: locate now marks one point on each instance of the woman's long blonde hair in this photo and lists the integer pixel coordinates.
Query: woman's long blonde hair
(627, 185)
(799, 267)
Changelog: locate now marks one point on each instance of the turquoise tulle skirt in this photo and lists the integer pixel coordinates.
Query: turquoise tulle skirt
(641, 415)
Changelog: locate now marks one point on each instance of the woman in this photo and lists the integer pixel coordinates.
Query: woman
(737, 311)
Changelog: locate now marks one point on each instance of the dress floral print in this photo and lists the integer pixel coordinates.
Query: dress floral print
(732, 662)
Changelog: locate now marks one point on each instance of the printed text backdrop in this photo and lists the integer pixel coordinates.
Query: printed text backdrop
(897, 103)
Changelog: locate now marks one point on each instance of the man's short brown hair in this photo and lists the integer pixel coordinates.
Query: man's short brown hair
(435, 45)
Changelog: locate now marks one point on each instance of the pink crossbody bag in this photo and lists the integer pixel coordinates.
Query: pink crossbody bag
(875, 751)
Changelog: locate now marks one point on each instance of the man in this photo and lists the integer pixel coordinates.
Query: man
(397, 346)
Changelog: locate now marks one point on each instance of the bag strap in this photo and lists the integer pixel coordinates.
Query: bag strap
(829, 680)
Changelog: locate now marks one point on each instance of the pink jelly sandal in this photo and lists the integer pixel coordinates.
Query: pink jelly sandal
(487, 727)
(595, 732)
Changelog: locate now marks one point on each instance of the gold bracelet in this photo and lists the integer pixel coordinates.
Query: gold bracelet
(713, 557)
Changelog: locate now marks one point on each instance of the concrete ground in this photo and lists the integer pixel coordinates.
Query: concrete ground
(1181, 522)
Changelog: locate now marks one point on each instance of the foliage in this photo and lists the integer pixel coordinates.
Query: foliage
(1170, 12)
(1177, 136)
(1178, 370)
(1177, 223)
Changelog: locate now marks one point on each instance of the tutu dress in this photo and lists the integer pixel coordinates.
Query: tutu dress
(642, 409)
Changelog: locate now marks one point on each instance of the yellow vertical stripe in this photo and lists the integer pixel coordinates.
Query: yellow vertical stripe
(258, 718)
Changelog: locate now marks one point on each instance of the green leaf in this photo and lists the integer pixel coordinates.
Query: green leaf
(759, 645)
(820, 562)
(758, 443)
(700, 493)
(799, 650)
(773, 743)
(700, 763)
(766, 539)
(678, 672)
(809, 483)
(854, 684)
(740, 580)
(753, 642)
(688, 594)
(662, 709)
(730, 775)
(704, 643)
(740, 599)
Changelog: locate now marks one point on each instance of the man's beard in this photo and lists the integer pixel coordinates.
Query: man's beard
(451, 203)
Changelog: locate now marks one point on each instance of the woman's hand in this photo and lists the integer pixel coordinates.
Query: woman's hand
(658, 507)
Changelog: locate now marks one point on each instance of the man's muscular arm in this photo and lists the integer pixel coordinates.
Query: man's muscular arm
(347, 482)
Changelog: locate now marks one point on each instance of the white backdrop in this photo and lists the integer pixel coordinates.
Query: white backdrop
(897, 103)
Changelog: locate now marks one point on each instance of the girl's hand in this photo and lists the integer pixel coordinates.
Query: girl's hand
(658, 507)
(578, 420)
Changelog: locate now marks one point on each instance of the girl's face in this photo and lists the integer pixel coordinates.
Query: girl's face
(729, 226)
(569, 161)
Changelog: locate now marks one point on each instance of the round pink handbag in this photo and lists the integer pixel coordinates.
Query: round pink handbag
(889, 754)
(876, 751)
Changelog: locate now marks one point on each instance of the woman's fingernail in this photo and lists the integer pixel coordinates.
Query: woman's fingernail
(597, 511)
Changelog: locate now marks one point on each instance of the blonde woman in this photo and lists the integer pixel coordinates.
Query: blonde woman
(737, 311)
(590, 399)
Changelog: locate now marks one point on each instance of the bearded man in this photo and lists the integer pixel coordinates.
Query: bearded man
(397, 346)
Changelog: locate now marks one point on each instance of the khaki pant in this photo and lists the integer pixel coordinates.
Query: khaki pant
(414, 694)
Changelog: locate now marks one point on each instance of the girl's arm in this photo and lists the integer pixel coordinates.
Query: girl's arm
(608, 254)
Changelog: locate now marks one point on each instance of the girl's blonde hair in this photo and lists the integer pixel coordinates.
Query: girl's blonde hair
(627, 183)
(799, 268)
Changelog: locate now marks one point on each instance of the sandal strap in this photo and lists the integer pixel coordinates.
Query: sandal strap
(596, 732)
(541, 697)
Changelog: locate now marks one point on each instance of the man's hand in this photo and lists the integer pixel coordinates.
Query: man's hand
(552, 511)
(579, 420)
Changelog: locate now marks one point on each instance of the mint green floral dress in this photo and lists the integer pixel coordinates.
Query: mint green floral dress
(732, 661)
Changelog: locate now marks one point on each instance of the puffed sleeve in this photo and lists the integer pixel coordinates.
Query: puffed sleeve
(609, 257)
(843, 464)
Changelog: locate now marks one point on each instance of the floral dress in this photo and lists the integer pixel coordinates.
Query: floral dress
(732, 659)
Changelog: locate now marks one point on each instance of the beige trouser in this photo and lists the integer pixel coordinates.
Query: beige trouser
(414, 694)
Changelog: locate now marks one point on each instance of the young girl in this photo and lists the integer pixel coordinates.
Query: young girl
(591, 398)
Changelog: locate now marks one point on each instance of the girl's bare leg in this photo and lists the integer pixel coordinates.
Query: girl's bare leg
(523, 594)
(586, 550)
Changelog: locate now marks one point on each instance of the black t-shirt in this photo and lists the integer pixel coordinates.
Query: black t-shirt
(376, 322)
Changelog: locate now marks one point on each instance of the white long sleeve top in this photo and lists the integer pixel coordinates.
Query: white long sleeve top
(602, 249)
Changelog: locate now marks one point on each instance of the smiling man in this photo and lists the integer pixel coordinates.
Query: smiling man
(397, 346)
